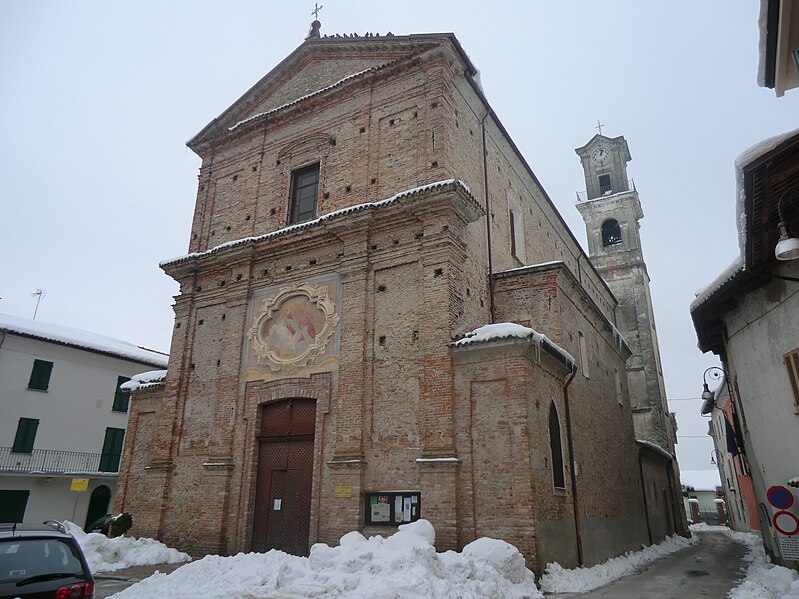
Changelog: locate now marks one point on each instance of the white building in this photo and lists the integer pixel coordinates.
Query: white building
(749, 316)
(63, 418)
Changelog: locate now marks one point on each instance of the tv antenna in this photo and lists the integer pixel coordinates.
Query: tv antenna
(38, 294)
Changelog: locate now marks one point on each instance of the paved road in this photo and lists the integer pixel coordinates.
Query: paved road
(707, 570)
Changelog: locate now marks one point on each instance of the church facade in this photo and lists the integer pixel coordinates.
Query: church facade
(382, 317)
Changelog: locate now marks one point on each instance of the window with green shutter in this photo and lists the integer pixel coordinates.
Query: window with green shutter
(112, 449)
(26, 435)
(40, 375)
(120, 397)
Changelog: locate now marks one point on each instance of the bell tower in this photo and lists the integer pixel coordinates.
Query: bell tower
(612, 211)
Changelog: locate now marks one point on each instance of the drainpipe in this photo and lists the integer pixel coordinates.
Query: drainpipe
(575, 504)
(643, 492)
(488, 221)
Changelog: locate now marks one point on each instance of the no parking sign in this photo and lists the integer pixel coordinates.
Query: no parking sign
(784, 522)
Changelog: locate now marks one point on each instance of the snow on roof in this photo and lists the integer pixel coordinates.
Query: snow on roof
(143, 380)
(57, 333)
(744, 159)
(305, 97)
(761, 148)
(701, 480)
(508, 330)
(330, 215)
(729, 273)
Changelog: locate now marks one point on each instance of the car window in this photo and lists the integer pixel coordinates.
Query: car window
(23, 558)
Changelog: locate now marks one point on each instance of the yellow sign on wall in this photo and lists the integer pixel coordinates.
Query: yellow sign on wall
(79, 484)
(342, 490)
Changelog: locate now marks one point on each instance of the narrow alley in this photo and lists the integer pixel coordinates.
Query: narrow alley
(709, 569)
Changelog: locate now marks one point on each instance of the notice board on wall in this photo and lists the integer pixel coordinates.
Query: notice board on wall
(392, 508)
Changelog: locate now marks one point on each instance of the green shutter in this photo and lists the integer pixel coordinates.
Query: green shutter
(40, 375)
(112, 449)
(120, 397)
(26, 435)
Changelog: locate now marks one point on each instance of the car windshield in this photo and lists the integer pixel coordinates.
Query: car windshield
(24, 558)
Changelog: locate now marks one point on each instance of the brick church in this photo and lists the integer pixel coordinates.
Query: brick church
(382, 317)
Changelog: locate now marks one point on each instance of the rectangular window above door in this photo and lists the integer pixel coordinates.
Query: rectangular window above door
(304, 190)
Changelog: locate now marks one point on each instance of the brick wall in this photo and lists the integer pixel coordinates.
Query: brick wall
(392, 398)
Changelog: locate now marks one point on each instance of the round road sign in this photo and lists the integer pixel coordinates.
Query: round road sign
(780, 497)
(786, 523)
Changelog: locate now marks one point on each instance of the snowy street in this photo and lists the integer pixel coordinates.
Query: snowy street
(709, 569)
(716, 562)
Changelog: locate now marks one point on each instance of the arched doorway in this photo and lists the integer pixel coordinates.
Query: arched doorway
(282, 514)
(98, 505)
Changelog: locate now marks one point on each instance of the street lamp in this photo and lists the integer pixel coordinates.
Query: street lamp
(715, 373)
(708, 397)
(715, 454)
(787, 247)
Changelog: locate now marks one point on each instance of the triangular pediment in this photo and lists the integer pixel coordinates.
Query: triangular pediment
(315, 66)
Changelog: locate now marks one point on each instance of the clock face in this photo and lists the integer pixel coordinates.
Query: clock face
(600, 155)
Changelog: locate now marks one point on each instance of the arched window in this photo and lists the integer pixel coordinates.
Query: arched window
(558, 478)
(611, 233)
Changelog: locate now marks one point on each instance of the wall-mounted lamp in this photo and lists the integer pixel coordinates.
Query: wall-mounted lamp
(713, 456)
(787, 247)
(716, 374)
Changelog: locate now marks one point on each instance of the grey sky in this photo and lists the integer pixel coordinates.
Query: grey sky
(98, 99)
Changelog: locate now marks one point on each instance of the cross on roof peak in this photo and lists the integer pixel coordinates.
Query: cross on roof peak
(599, 126)
(316, 9)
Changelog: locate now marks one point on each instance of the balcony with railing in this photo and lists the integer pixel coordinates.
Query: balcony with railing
(49, 461)
(605, 190)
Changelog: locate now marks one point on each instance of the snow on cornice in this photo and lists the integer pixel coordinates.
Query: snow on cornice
(510, 330)
(325, 217)
(85, 340)
(143, 380)
(305, 97)
(655, 448)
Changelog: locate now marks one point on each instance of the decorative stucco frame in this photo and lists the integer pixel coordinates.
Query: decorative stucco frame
(319, 295)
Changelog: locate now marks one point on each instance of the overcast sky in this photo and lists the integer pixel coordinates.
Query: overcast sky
(98, 99)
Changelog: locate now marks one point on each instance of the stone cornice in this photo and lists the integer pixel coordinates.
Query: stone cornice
(412, 203)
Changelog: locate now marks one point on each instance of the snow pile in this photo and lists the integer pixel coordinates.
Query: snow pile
(764, 580)
(403, 565)
(557, 579)
(105, 554)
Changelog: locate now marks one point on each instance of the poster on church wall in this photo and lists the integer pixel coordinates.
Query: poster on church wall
(381, 509)
(392, 507)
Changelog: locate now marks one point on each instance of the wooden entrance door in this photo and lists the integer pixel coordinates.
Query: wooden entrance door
(285, 476)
